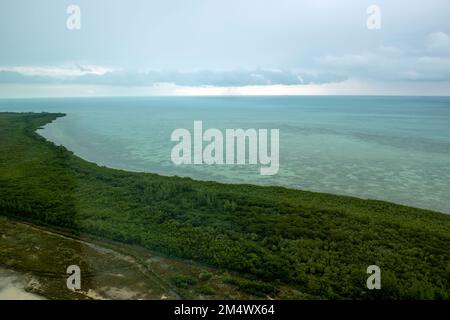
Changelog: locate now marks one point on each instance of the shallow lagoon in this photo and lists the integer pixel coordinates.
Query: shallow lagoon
(389, 148)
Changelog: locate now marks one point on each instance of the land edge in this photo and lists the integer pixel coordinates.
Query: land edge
(40, 137)
(61, 115)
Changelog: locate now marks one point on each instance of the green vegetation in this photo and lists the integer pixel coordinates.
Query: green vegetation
(39, 257)
(317, 244)
(254, 287)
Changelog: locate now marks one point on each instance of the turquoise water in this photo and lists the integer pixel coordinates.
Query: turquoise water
(389, 148)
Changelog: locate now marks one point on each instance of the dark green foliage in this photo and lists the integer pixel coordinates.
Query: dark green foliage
(319, 244)
(254, 287)
(204, 276)
(184, 281)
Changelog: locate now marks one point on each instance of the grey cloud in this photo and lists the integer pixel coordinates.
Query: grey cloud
(430, 62)
(438, 43)
(16, 77)
(198, 78)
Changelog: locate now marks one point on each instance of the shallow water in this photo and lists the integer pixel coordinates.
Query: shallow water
(389, 148)
(12, 287)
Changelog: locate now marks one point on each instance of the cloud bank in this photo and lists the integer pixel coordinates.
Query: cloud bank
(424, 64)
(105, 76)
(430, 62)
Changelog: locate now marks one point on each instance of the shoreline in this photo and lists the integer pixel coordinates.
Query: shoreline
(274, 236)
(262, 184)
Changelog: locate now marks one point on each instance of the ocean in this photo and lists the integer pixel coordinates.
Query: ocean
(389, 148)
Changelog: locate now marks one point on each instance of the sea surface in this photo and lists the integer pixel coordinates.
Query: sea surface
(389, 148)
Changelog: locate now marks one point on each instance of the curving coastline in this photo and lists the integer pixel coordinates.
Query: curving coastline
(318, 244)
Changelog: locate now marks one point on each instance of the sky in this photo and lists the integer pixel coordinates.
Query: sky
(218, 47)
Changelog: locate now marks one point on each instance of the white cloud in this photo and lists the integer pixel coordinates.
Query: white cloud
(386, 69)
(106, 76)
(76, 70)
(438, 43)
(394, 64)
(390, 51)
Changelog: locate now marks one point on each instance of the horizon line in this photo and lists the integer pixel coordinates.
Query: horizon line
(226, 95)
